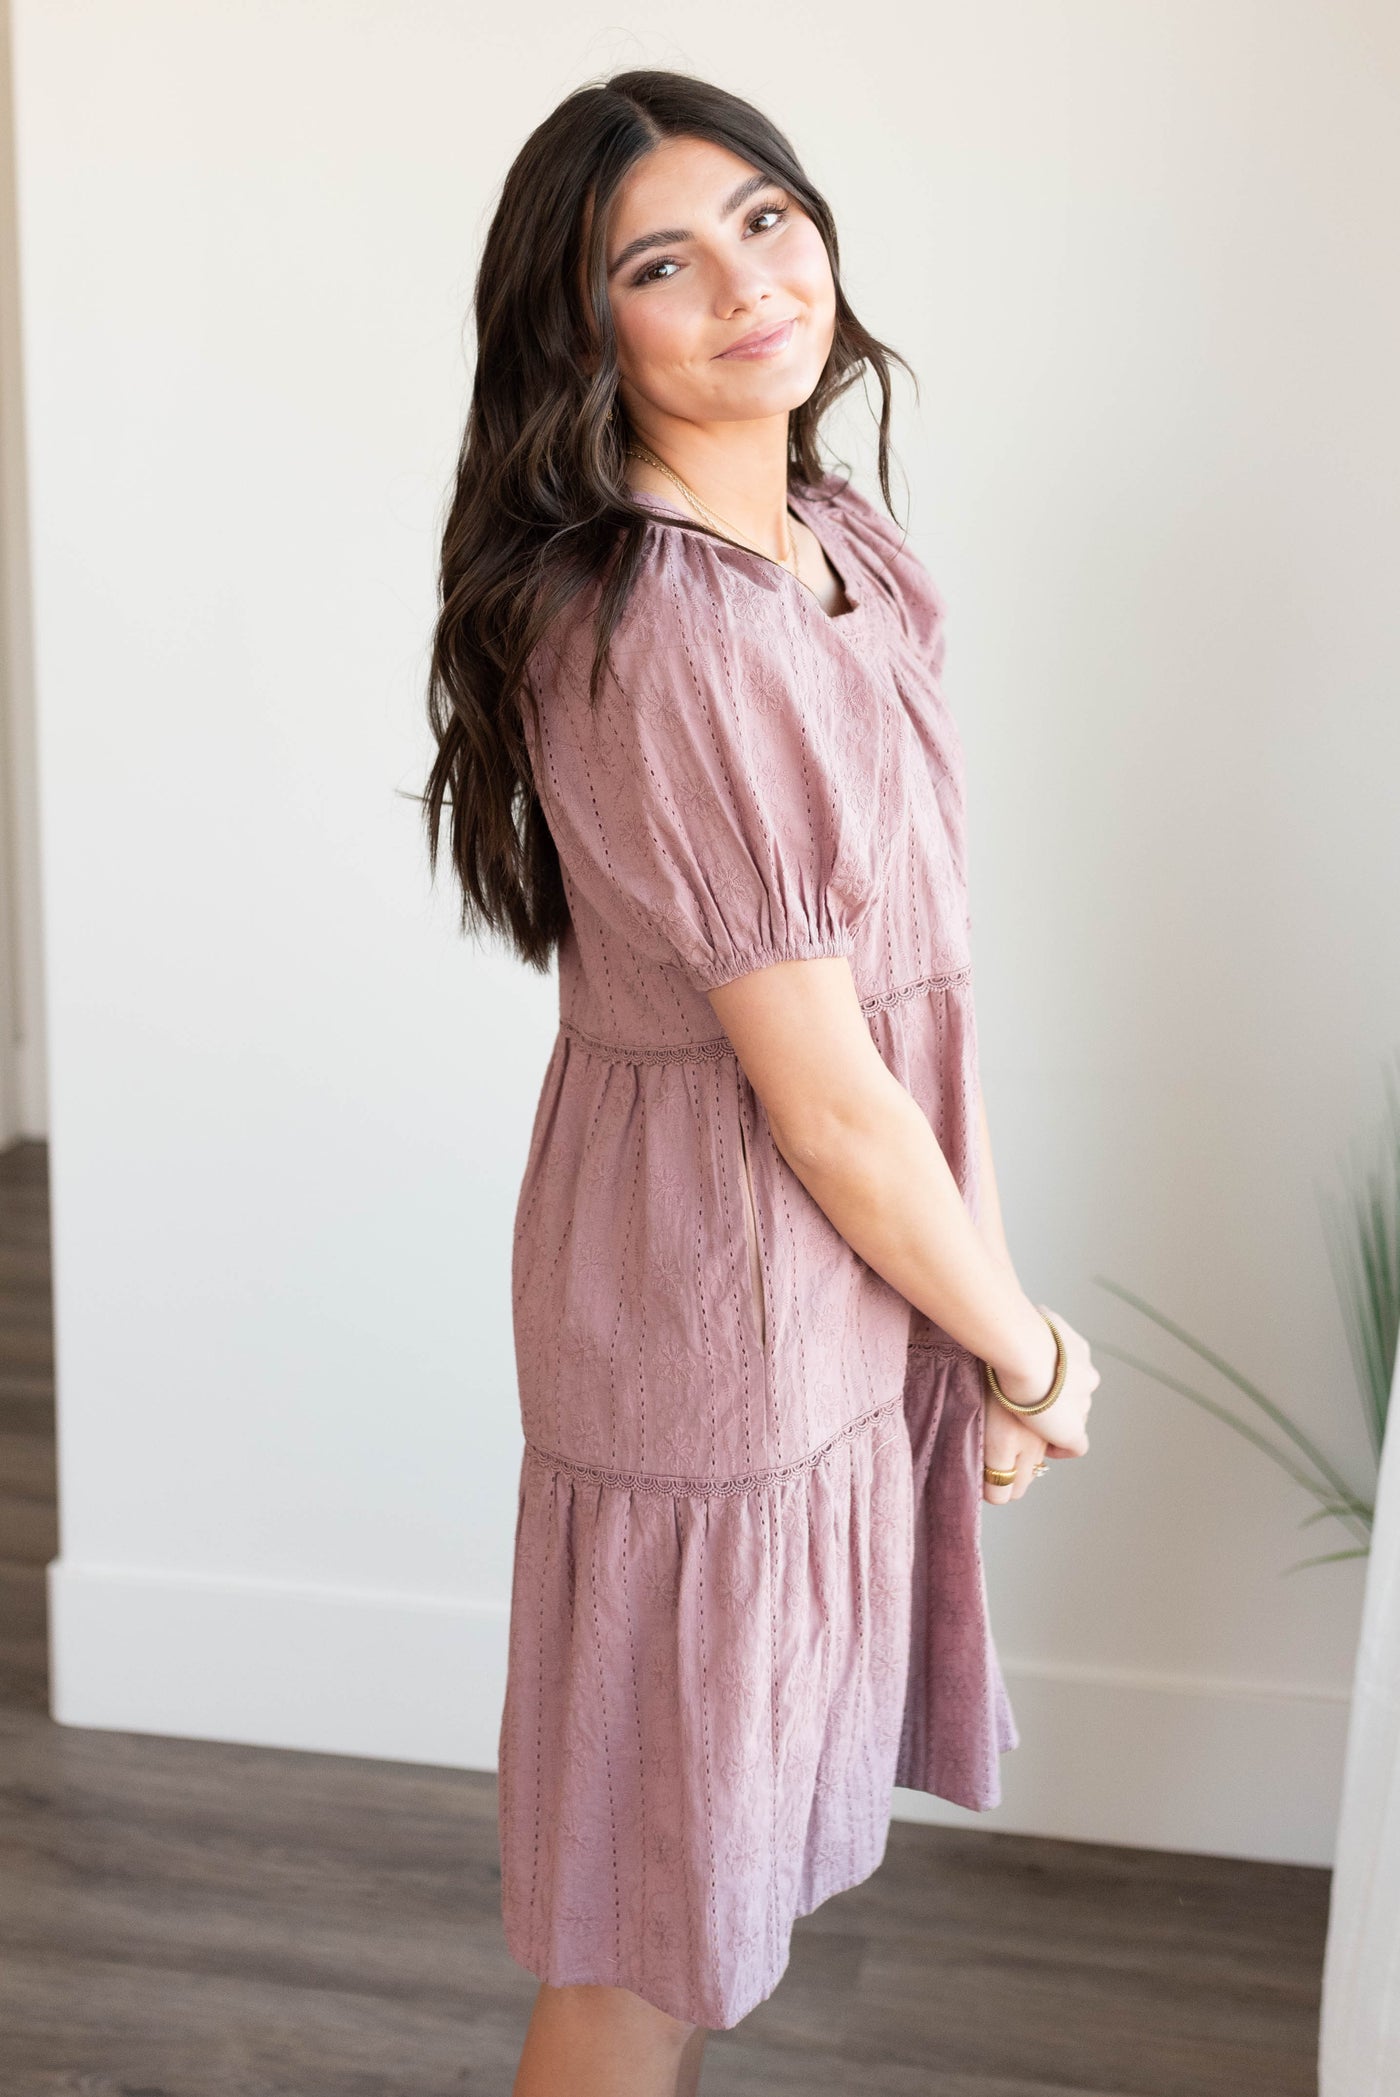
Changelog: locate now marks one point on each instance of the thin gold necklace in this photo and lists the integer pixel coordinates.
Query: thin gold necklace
(788, 560)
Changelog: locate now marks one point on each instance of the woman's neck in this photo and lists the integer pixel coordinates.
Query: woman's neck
(748, 493)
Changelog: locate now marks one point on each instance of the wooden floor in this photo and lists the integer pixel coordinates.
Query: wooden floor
(186, 1920)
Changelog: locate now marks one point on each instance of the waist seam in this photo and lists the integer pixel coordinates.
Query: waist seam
(706, 1488)
(715, 1046)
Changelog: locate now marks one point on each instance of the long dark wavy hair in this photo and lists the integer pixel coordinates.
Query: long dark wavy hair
(541, 508)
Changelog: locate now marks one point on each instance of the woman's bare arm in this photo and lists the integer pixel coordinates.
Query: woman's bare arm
(865, 1151)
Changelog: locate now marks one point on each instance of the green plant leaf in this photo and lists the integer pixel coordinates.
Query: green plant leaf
(1241, 1383)
(1338, 1507)
(1328, 1558)
(1364, 1251)
(1241, 1427)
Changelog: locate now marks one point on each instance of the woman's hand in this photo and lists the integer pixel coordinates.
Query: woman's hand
(1013, 1444)
(1008, 1444)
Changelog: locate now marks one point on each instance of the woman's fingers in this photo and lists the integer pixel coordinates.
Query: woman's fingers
(999, 1454)
(1013, 1446)
(1008, 1446)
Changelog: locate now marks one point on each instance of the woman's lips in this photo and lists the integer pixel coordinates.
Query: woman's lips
(764, 345)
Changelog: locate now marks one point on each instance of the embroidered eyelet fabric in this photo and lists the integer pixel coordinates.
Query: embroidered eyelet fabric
(747, 1592)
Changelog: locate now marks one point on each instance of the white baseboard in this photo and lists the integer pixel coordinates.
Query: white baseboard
(407, 1678)
(1156, 1761)
(1160, 1761)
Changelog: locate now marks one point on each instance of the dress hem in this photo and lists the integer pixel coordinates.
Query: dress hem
(612, 1978)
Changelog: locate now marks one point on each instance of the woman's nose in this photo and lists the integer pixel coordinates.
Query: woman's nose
(742, 285)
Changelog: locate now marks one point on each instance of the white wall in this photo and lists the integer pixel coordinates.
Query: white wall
(1141, 261)
(23, 1109)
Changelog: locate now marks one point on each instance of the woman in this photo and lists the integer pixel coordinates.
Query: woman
(686, 695)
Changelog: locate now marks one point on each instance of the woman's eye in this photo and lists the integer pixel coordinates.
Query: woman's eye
(648, 275)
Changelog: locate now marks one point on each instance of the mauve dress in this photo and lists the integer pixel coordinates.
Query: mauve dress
(747, 1593)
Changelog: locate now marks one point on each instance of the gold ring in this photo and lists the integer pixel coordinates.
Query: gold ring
(992, 1476)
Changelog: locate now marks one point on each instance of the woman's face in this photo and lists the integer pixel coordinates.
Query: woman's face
(702, 251)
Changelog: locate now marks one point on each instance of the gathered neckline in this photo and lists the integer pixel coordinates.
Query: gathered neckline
(842, 570)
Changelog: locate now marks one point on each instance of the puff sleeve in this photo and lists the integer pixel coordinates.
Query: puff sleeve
(722, 805)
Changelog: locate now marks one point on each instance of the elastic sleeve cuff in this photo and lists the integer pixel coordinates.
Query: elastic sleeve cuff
(710, 975)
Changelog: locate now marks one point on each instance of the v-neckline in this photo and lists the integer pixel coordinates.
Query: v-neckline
(854, 605)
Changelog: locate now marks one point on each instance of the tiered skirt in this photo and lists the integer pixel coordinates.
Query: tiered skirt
(713, 1691)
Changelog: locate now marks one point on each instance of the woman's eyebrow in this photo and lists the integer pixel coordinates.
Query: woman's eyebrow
(673, 236)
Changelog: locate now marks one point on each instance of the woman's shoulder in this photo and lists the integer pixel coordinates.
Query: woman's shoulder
(883, 545)
(860, 514)
(701, 610)
(685, 573)
(695, 604)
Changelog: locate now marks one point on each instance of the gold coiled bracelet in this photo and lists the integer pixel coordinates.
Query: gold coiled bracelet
(1024, 1412)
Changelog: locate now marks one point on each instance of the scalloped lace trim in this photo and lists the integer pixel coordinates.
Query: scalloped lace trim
(755, 1482)
(883, 999)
